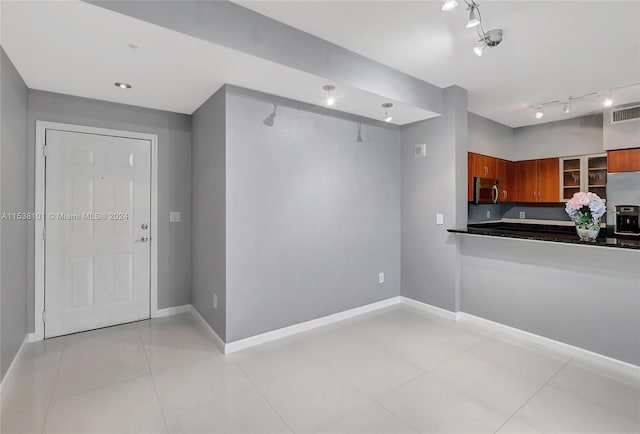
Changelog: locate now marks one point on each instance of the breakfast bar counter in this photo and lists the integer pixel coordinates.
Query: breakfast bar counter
(551, 233)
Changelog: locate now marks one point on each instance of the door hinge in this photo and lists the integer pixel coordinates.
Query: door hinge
(44, 316)
(44, 151)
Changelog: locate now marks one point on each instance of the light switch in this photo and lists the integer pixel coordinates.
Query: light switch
(439, 219)
(174, 216)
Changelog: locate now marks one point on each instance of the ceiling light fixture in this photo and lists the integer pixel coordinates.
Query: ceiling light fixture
(387, 107)
(449, 5)
(328, 90)
(359, 136)
(122, 85)
(492, 38)
(566, 107)
(479, 49)
(608, 102)
(473, 19)
(539, 113)
(268, 121)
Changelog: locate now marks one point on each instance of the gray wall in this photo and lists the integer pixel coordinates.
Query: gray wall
(312, 215)
(13, 198)
(231, 25)
(174, 179)
(581, 295)
(208, 191)
(434, 184)
(622, 135)
(578, 136)
(492, 138)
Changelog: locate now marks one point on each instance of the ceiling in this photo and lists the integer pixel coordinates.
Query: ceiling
(551, 50)
(76, 48)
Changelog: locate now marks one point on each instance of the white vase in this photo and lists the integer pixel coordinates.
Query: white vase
(590, 231)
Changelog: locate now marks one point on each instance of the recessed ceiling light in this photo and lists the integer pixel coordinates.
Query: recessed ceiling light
(328, 89)
(387, 116)
(122, 85)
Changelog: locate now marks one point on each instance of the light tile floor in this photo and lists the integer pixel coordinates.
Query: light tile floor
(395, 371)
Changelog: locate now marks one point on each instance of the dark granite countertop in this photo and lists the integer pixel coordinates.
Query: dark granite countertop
(552, 233)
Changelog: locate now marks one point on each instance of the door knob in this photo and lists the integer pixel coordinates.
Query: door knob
(144, 226)
(142, 240)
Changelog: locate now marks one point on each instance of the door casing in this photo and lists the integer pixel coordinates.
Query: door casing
(40, 194)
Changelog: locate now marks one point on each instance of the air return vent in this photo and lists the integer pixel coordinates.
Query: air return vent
(420, 150)
(626, 114)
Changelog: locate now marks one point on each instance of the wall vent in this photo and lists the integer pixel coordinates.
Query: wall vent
(626, 114)
(420, 150)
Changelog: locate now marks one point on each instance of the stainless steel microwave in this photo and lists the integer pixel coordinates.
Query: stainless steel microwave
(485, 190)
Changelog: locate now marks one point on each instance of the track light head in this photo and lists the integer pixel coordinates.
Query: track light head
(449, 5)
(473, 18)
(566, 107)
(540, 113)
(479, 50)
(608, 102)
(268, 121)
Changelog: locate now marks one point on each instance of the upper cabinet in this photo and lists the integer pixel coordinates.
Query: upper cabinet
(506, 173)
(624, 160)
(538, 180)
(481, 166)
(583, 173)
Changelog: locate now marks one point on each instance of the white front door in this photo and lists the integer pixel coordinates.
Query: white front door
(97, 234)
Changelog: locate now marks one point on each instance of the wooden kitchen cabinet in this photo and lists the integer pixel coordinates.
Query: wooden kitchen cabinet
(538, 180)
(624, 160)
(506, 173)
(481, 166)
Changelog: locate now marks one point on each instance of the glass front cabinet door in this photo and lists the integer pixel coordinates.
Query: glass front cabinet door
(583, 173)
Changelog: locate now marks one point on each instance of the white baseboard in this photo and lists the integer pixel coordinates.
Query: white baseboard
(561, 347)
(160, 313)
(308, 325)
(27, 339)
(429, 308)
(218, 340)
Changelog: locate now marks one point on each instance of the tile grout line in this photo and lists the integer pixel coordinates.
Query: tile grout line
(53, 389)
(153, 381)
(262, 395)
(534, 394)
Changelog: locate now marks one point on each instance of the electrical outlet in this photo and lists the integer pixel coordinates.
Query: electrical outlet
(215, 301)
(439, 219)
(521, 214)
(488, 214)
(380, 277)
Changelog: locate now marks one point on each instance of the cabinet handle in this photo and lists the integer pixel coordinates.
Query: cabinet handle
(486, 170)
(504, 193)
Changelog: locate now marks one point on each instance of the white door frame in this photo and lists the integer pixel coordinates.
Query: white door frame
(41, 127)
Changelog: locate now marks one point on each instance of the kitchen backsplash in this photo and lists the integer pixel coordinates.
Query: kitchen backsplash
(478, 213)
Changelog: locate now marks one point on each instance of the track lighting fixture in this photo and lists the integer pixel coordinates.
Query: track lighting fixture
(490, 38)
(479, 50)
(473, 19)
(328, 89)
(449, 5)
(540, 113)
(387, 107)
(566, 107)
(359, 136)
(268, 121)
(608, 102)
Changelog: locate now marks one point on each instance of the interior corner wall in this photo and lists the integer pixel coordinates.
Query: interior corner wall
(209, 222)
(313, 215)
(434, 184)
(174, 182)
(13, 199)
(492, 138)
